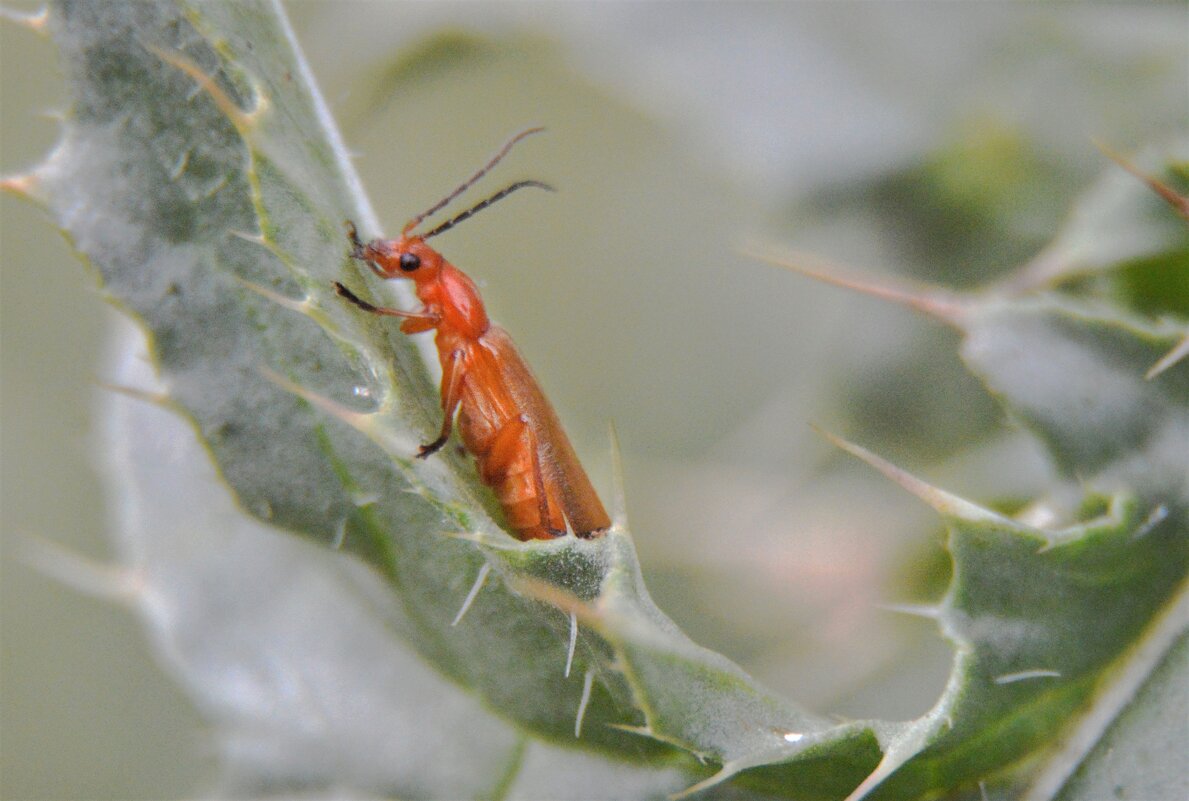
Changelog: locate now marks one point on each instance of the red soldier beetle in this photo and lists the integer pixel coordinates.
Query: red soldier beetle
(504, 418)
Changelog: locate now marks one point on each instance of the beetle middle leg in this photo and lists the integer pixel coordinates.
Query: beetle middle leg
(452, 373)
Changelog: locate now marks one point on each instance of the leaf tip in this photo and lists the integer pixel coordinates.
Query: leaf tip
(557, 597)
(587, 686)
(27, 185)
(1178, 353)
(943, 502)
(940, 304)
(480, 580)
(301, 306)
(928, 611)
(110, 582)
(728, 770)
(161, 400)
(619, 506)
(263, 241)
(1027, 675)
(36, 21)
(244, 121)
(340, 535)
(573, 644)
(1178, 202)
(363, 422)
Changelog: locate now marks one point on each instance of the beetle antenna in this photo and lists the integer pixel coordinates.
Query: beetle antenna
(478, 207)
(468, 183)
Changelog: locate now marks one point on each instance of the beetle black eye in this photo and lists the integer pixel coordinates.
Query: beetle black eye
(409, 262)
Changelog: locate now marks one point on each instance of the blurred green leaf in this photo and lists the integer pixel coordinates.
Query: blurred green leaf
(1119, 222)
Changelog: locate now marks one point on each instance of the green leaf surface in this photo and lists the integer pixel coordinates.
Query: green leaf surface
(1018, 610)
(1120, 221)
(1074, 373)
(1135, 757)
(201, 176)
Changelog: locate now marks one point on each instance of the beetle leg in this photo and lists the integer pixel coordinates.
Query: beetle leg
(414, 322)
(452, 373)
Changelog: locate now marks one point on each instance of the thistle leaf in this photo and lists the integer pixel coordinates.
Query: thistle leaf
(201, 176)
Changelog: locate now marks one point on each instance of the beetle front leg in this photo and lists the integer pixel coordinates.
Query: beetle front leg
(414, 322)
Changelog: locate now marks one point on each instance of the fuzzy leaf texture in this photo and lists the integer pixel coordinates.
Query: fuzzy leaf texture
(201, 176)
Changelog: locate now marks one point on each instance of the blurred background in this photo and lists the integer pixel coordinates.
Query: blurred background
(940, 141)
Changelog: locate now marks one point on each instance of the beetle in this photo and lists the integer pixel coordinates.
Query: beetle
(503, 417)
